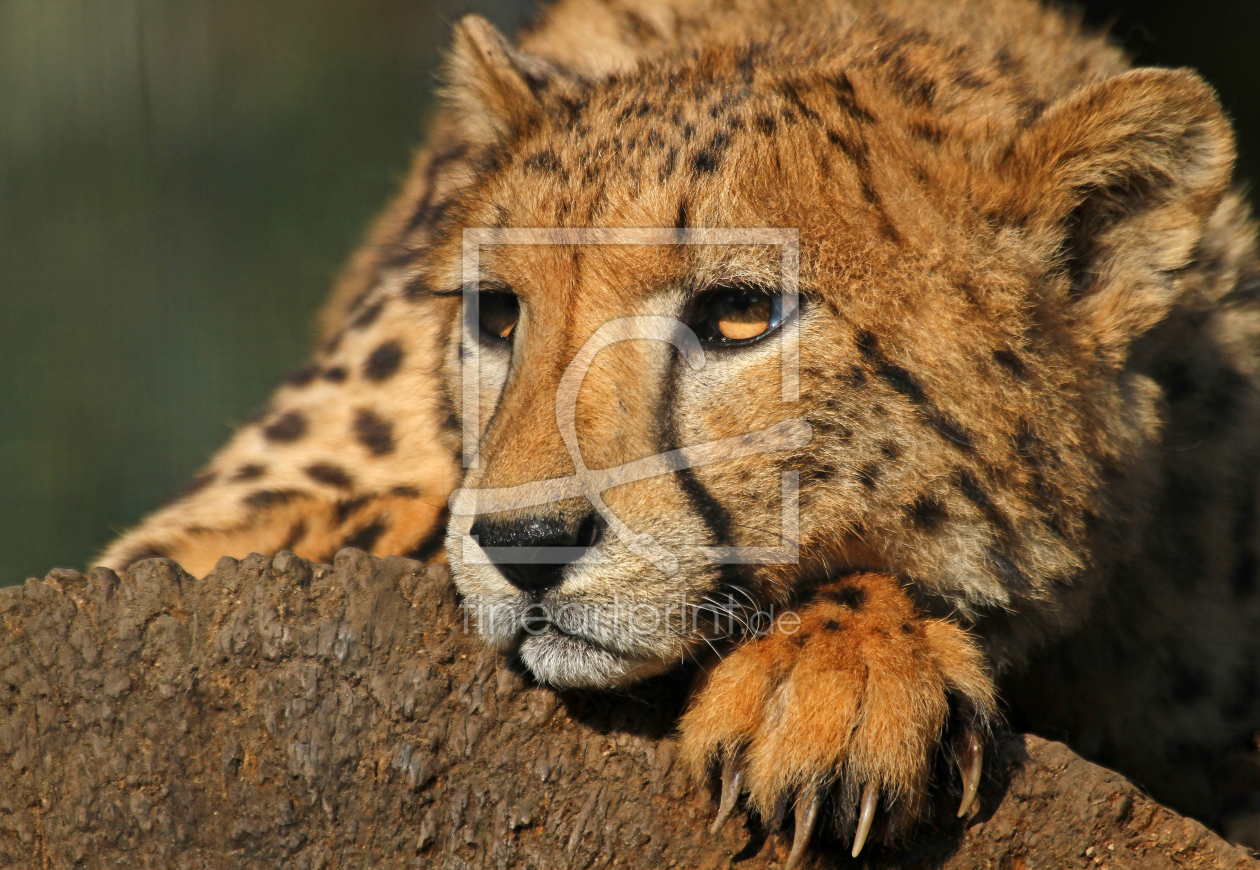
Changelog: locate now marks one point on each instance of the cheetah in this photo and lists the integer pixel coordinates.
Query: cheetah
(903, 354)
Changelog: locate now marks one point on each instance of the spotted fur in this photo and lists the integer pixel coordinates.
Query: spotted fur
(1028, 365)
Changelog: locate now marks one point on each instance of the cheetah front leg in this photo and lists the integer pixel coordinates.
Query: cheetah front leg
(850, 703)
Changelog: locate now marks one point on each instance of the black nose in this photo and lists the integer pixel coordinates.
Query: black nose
(531, 551)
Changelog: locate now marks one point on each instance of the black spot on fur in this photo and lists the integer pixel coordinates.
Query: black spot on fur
(368, 316)
(366, 537)
(374, 433)
(846, 99)
(145, 551)
(708, 159)
(855, 376)
(302, 376)
(335, 375)
(907, 628)
(346, 507)
(683, 216)
(1012, 363)
(790, 91)
(196, 485)
(427, 547)
(831, 625)
(766, 124)
(799, 640)
(252, 471)
(383, 362)
(288, 427)
(429, 212)
(814, 475)
(545, 162)
(330, 475)
(405, 492)
(974, 493)
(908, 386)
(851, 147)
(868, 474)
(1007, 571)
(852, 597)
(927, 512)
(296, 533)
(265, 498)
(667, 165)
(927, 132)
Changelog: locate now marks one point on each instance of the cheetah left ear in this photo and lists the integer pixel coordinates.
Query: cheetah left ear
(1115, 184)
(492, 87)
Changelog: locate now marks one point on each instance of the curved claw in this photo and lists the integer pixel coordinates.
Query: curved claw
(732, 777)
(971, 764)
(870, 797)
(806, 821)
(780, 810)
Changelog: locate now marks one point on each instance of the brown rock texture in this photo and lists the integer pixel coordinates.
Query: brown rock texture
(283, 714)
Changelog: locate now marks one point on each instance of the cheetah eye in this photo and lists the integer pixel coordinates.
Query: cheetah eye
(737, 316)
(497, 314)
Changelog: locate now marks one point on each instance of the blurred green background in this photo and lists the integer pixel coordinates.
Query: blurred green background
(180, 180)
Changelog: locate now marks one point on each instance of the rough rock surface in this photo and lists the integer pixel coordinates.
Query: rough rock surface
(282, 714)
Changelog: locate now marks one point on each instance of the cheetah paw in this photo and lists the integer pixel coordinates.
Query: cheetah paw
(850, 703)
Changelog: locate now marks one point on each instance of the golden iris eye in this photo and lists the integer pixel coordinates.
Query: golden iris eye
(739, 316)
(497, 314)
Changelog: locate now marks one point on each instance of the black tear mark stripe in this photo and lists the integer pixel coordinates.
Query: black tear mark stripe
(714, 515)
(906, 384)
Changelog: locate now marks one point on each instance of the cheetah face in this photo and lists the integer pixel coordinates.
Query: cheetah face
(613, 472)
(669, 435)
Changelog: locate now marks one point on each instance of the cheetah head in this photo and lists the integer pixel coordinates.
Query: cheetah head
(907, 350)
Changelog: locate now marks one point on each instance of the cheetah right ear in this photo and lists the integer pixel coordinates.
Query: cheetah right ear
(1115, 184)
(492, 87)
